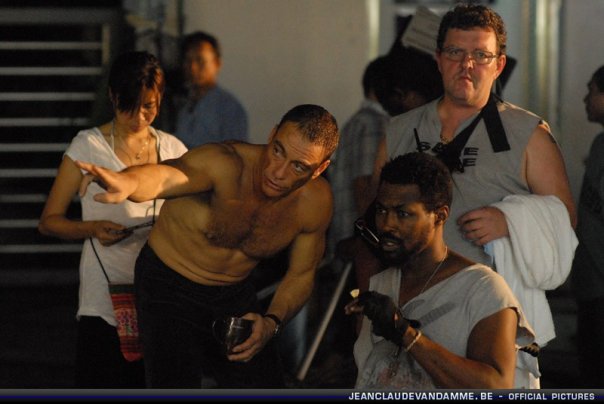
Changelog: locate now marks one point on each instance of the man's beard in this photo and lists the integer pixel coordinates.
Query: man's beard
(395, 256)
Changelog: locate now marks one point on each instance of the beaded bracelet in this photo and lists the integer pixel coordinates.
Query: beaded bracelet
(419, 334)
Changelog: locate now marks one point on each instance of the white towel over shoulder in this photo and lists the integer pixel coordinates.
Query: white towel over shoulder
(537, 256)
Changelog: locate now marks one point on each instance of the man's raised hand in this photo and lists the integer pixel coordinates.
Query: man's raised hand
(118, 186)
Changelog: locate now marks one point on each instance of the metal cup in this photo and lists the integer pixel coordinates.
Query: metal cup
(231, 331)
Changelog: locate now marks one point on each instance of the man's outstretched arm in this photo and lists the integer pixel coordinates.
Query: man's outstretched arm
(195, 171)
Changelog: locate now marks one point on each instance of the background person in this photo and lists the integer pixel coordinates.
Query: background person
(352, 166)
(588, 265)
(136, 84)
(210, 113)
(410, 80)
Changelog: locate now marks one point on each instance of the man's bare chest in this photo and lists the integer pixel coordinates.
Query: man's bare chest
(258, 230)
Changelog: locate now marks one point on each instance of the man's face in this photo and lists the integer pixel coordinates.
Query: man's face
(404, 226)
(290, 161)
(201, 66)
(594, 103)
(467, 82)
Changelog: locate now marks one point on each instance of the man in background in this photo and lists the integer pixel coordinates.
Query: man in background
(588, 265)
(350, 173)
(210, 113)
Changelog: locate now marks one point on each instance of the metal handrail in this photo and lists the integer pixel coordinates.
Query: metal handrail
(324, 322)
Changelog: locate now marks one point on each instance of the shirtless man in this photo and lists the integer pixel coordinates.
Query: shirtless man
(237, 203)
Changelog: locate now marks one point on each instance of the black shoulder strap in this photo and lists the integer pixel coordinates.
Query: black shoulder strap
(450, 152)
(99, 258)
(492, 121)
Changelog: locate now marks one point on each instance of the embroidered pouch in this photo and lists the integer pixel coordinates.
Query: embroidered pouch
(122, 297)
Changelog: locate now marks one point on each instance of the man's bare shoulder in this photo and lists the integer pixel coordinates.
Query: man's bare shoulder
(317, 191)
(244, 149)
(223, 159)
(316, 204)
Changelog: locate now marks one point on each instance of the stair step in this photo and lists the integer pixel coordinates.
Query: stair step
(31, 211)
(56, 134)
(26, 185)
(50, 83)
(48, 260)
(29, 235)
(38, 276)
(35, 159)
(52, 109)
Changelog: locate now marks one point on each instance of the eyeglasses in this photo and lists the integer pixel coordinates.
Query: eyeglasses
(479, 56)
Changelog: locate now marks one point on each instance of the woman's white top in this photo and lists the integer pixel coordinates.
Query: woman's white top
(90, 146)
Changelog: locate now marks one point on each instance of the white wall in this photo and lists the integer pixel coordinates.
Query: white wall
(281, 53)
(511, 12)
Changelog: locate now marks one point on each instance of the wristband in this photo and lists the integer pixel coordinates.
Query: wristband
(408, 347)
(278, 323)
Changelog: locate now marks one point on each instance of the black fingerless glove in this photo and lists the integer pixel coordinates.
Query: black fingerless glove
(385, 316)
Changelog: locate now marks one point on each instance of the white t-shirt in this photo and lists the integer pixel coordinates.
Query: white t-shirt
(90, 146)
(447, 311)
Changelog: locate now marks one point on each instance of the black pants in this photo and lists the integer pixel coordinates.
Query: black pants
(175, 318)
(99, 361)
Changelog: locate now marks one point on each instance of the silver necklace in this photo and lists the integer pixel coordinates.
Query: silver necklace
(435, 270)
(138, 155)
(395, 361)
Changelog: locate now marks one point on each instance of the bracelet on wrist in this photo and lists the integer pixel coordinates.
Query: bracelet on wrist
(417, 335)
(277, 321)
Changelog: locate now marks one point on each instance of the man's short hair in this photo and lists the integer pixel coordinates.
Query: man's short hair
(424, 170)
(468, 16)
(195, 39)
(598, 78)
(408, 70)
(316, 124)
(374, 77)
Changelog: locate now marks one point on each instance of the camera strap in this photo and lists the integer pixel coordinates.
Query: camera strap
(449, 153)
